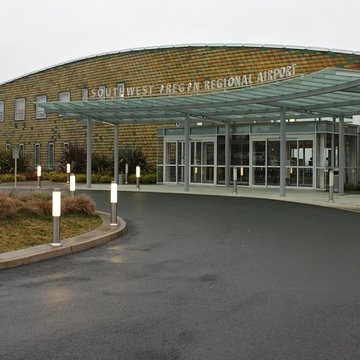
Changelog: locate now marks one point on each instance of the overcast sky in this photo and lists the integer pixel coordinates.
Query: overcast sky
(35, 34)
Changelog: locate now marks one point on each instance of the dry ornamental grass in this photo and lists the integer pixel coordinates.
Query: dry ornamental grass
(26, 220)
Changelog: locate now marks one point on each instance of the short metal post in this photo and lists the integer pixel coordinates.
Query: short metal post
(56, 213)
(235, 180)
(38, 173)
(138, 177)
(126, 173)
(113, 201)
(72, 185)
(331, 186)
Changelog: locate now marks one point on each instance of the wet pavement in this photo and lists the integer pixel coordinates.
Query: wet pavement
(196, 277)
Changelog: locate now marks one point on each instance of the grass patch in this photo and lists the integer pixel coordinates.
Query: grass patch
(20, 231)
(26, 220)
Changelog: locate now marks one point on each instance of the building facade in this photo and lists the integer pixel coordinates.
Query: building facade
(312, 144)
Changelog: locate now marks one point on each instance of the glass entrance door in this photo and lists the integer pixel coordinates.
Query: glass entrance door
(202, 162)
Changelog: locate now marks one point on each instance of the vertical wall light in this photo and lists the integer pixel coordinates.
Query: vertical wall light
(56, 213)
(38, 173)
(138, 177)
(113, 202)
(72, 185)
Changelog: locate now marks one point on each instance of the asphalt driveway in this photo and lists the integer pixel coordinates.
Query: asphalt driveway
(196, 277)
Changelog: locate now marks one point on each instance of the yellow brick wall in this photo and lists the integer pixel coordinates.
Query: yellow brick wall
(136, 68)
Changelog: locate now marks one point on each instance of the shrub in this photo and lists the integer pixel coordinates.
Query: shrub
(11, 178)
(75, 155)
(144, 179)
(9, 205)
(79, 205)
(7, 162)
(134, 157)
(352, 187)
(37, 204)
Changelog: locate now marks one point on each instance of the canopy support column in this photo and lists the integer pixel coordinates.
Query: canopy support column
(116, 153)
(187, 153)
(341, 155)
(227, 154)
(88, 152)
(282, 153)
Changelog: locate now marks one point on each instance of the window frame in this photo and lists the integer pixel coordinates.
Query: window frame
(62, 93)
(40, 113)
(20, 115)
(2, 110)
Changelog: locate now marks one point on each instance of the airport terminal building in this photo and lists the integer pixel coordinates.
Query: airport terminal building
(281, 116)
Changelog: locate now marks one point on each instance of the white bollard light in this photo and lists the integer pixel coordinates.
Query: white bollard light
(72, 185)
(113, 203)
(38, 173)
(68, 173)
(235, 180)
(56, 213)
(138, 177)
(126, 173)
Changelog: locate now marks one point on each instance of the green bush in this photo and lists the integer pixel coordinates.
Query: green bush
(351, 187)
(134, 157)
(7, 163)
(144, 179)
(57, 176)
(5, 178)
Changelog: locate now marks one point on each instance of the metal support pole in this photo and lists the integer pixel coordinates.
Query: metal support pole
(116, 153)
(331, 186)
(187, 153)
(282, 153)
(88, 152)
(341, 155)
(227, 154)
(235, 180)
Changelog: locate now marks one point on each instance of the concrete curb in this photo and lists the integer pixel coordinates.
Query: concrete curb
(99, 236)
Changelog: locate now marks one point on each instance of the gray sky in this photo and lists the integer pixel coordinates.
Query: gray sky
(41, 33)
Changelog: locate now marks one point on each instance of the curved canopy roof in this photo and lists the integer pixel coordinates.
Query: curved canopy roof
(330, 92)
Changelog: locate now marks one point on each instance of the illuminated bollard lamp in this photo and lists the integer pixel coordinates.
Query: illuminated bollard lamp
(235, 180)
(126, 173)
(72, 185)
(113, 202)
(138, 177)
(56, 213)
(38, 173)
(331, 186)
(68, 173)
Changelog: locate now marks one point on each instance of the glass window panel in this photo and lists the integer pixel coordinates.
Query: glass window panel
(273, 176)
(259, 153)
(259, 175)
(64, 96)
(305, 153)
(40, 112)
(292, 153)
(273, 153)
(221, 150)
(2, 110)
(20, 109)
(305, 177)
(240, 150)
(171, 153)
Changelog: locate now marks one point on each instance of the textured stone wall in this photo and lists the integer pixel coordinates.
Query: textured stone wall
(137, 68)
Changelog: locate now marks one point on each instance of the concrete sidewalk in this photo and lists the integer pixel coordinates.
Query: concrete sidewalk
(350, 201)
